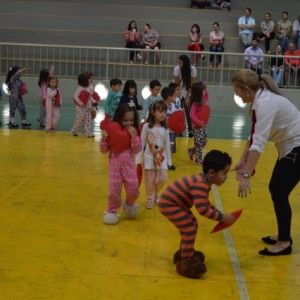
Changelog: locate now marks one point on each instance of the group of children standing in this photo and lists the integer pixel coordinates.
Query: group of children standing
(154, 142)
(85, 99)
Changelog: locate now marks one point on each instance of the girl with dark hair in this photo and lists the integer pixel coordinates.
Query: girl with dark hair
(132, 40)
(83, 106)
(200, 113)
(185, 75)
(156, 150)
(42, 83)
(16, 89)
(122, 165)
(129, 94)
(195, 42)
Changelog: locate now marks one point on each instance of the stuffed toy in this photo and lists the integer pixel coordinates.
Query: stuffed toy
(156, 150)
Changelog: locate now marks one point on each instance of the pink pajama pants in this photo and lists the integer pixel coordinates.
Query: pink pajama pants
(122, 171)
(83, 116)
(52, 115)
(154, 182)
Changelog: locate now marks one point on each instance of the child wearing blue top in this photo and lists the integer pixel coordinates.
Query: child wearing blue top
(129, 94)
(155, 86)
(113, 97)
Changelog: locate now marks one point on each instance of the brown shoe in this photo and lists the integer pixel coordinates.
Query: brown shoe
(199, 254)
(191, 267)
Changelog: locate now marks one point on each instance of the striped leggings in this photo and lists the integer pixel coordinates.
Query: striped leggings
(186, 223)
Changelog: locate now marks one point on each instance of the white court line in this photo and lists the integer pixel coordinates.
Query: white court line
(239, 277)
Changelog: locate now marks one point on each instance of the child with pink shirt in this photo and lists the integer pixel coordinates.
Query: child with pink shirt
(122, 168)
(53, 103)
(199, 113)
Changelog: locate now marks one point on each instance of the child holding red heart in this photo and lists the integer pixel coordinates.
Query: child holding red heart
(53, 103)
(84, 106)
(156, 150)
(120, 138)
(199, 114)
(16, 89)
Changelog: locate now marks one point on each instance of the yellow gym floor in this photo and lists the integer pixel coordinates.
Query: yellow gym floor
(53, 244)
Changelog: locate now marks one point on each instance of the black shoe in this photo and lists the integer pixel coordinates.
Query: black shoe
(172, 168)
(13, 125)
(26, 124)
(285, 251)
(42, 126)
(269, 241)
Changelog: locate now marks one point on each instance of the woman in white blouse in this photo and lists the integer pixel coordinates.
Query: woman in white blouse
(277, 118)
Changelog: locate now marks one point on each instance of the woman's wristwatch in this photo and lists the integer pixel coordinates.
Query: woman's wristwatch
(246, 175)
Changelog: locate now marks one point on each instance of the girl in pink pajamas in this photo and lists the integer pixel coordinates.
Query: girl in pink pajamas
(121, 163)
(53, 103)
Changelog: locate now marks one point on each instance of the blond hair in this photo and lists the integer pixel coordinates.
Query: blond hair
(247, 78)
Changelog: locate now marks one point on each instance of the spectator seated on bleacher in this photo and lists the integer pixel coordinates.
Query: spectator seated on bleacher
(254, 63)
(200, 4)
(132, 40)
(216, 40)
(284, 28)
(296, 32)
(151, 41)
(267, 31)
(195, 42)
(291, 64)
(246, 25)
(221, 4)
(276, 65)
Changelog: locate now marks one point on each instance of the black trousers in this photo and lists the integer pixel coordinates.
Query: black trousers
(286, 175)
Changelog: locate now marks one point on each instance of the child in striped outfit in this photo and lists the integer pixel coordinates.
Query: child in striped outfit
(122, 165)
(180, 196)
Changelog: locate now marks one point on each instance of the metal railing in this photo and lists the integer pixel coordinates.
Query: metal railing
(107, 63)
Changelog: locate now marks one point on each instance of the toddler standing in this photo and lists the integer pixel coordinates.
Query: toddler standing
(129, 94)
(156, 150)
(16, 89)
(42, 83)
(155, 86)
(83, 106)
(113, 97)
(122, 166)
(200, 113)
(53, 103)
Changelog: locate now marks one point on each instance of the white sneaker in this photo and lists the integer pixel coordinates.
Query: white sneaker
(149, 205)
(139, 56)
(131, 212)
(110, 218)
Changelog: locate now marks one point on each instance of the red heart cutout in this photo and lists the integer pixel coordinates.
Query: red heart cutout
(83, 97)
(222, 225)
(104, 122)
(176, 121)
(118, 139)
(57, 98)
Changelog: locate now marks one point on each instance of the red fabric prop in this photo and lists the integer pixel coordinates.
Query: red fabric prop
(83, 97)
(104, 122)
(222, 225)
(176, 121)
(139, 172)
(23, 89)
(95, 96)
(118, 139)
(57, 99)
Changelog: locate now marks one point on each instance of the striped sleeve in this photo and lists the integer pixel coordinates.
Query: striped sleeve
(199, 194)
